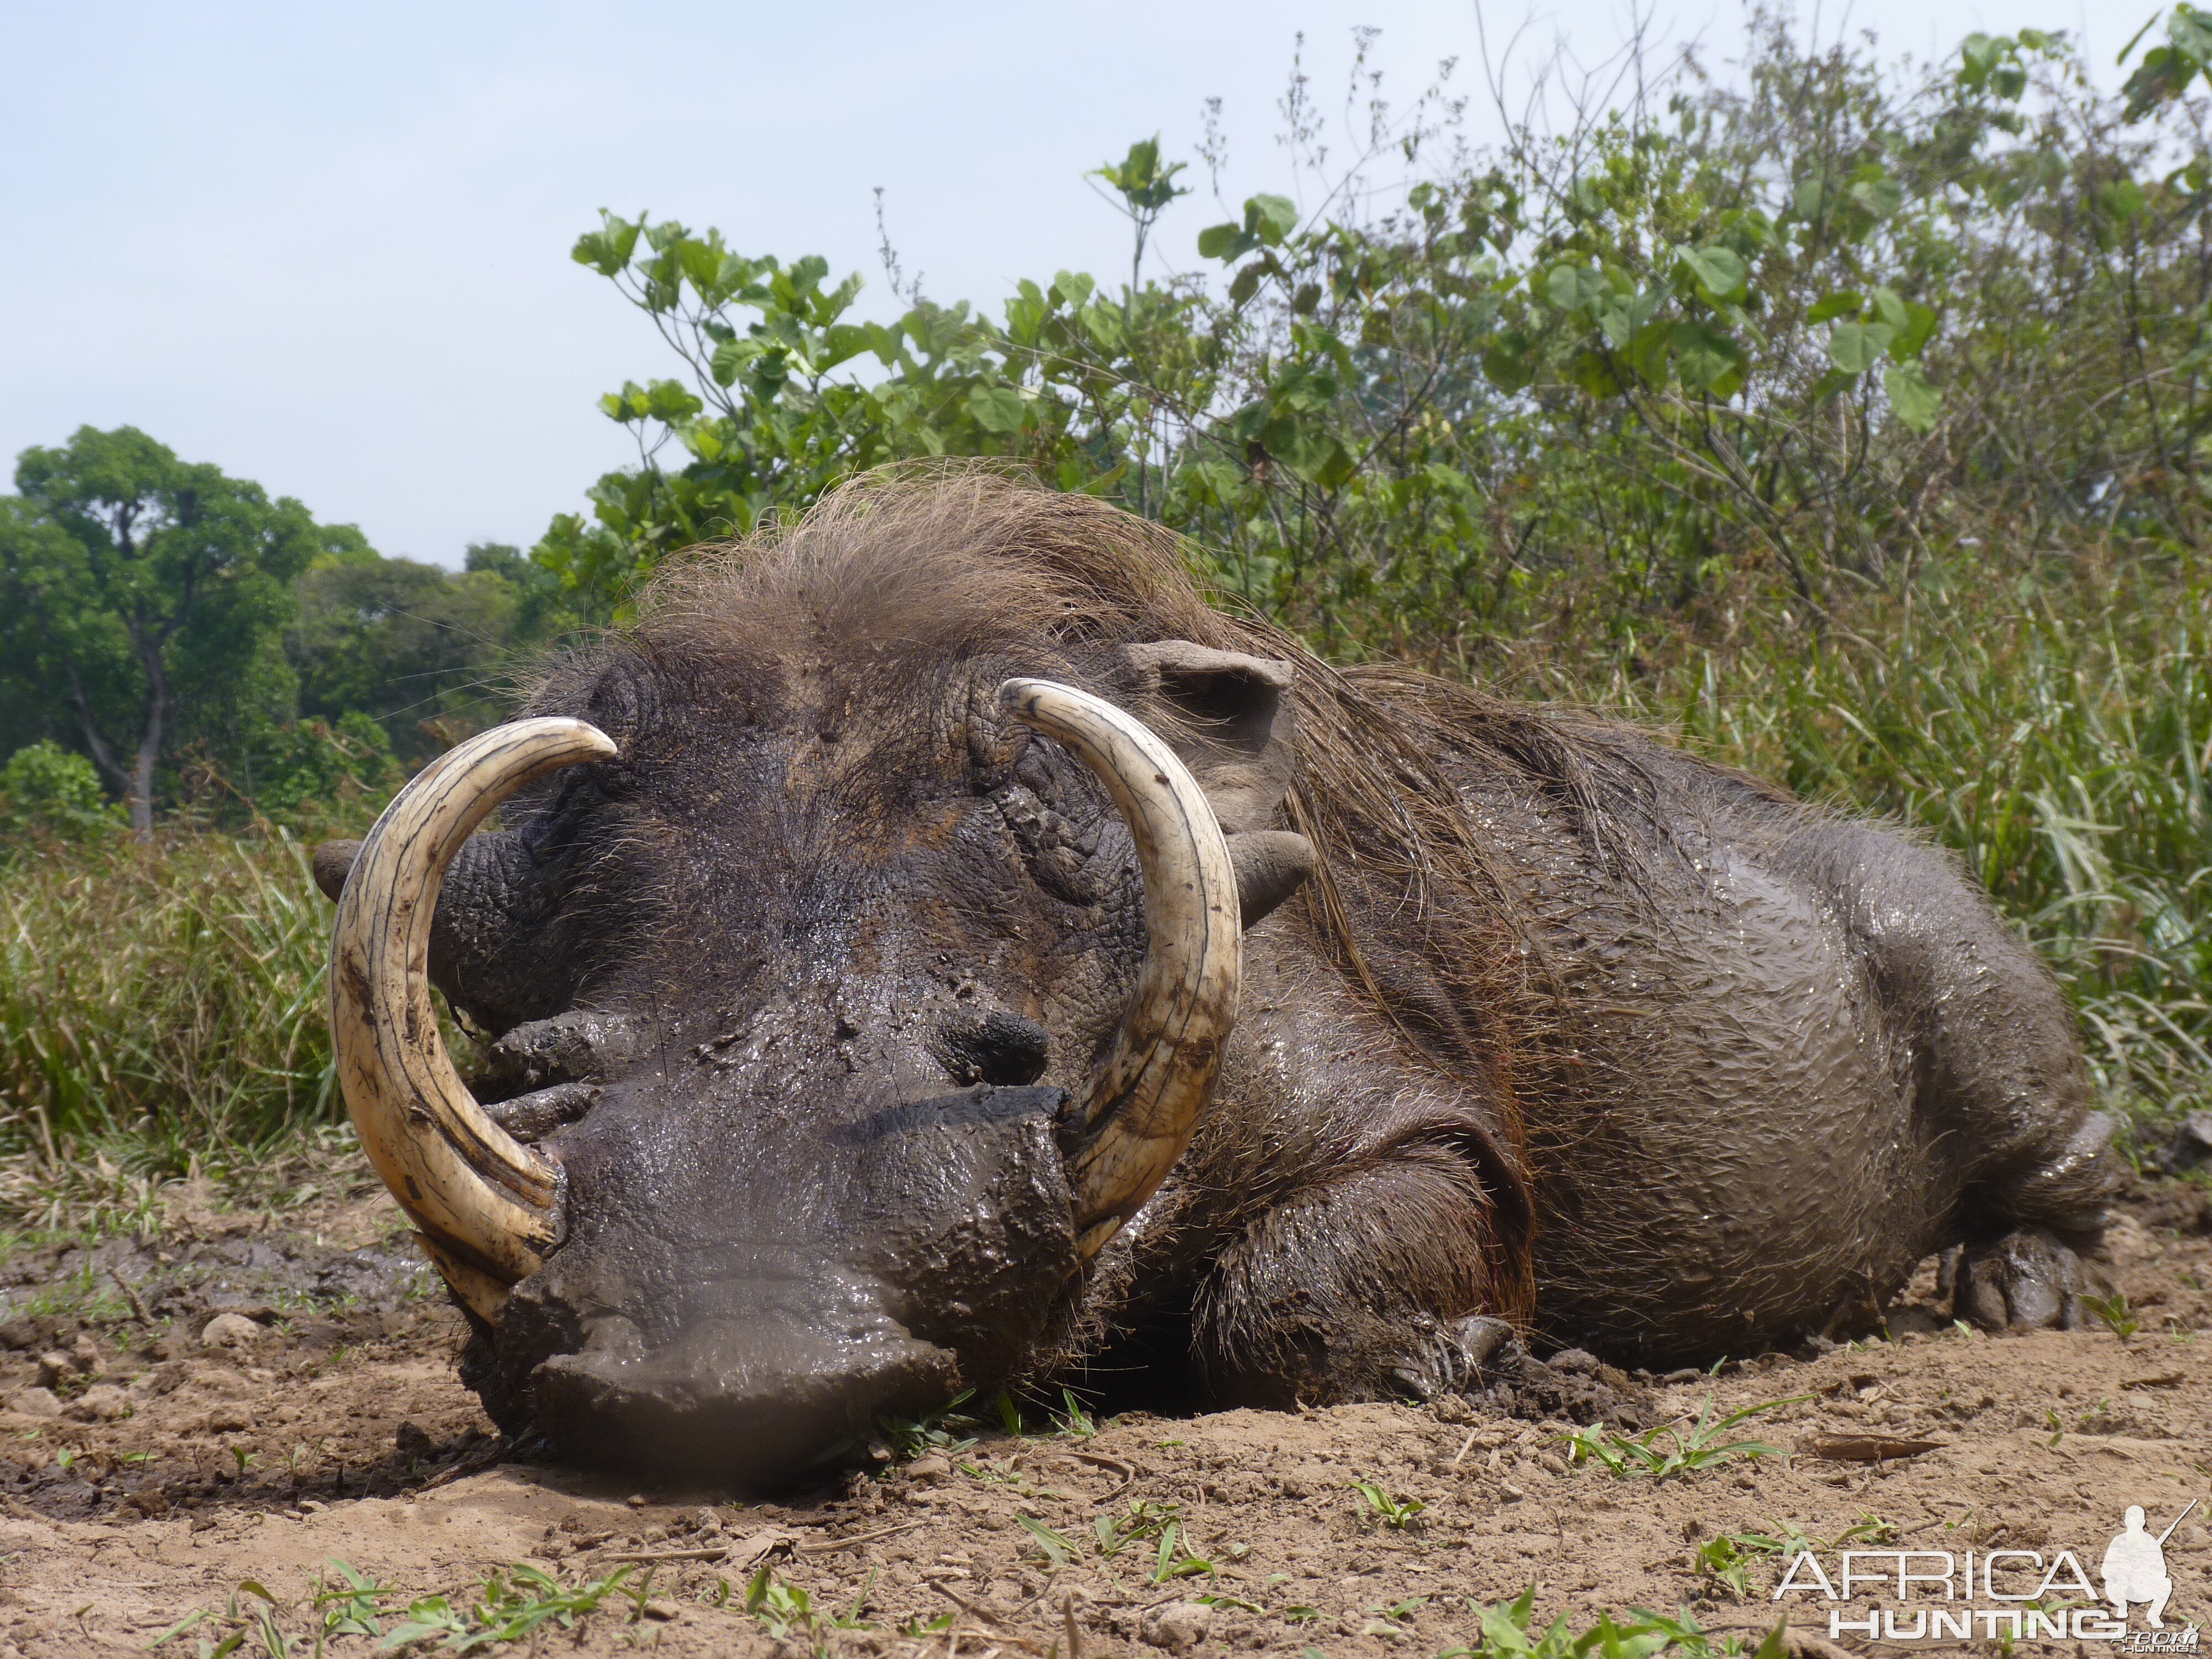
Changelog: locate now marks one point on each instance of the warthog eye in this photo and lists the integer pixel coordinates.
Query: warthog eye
(988, 1046)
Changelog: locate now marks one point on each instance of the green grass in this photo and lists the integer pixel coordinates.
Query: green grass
(523, 1603)
(162, 1017)
(1510, 1632)
(169, 991)
(1695, 1449)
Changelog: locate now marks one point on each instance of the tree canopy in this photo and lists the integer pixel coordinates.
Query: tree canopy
(146, 591)
(190, 636)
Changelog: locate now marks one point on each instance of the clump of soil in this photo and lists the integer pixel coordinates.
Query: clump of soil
(235, 1401)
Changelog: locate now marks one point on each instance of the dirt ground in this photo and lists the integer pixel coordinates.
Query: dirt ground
(207, 1422)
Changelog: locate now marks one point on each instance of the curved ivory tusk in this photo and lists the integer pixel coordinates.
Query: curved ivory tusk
(1145, 1098)
(485, 1204)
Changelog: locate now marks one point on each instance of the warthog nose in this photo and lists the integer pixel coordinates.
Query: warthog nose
(746, 1401)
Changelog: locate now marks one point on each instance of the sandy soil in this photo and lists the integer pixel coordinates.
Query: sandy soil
(150, 1472)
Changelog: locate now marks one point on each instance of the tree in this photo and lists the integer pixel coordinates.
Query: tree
(144, 586)
(409, 645)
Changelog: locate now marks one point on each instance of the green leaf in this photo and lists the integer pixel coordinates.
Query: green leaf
(1835, 380)
(1888, 306)
(1226, 242)
(1919, 328)
(731, 359)
(1710, 363)
(1717, 270)
(1881, 196)
(1104, 324)
(1592, 372)
(1505, 362)
(1914, 402)
(702, 262)
(1274, 217)
(1142, 182)
(1650, 353)
(607, 249)
(1058, 1549)
(177, 1628)
(1856, 348)
(1571, 288)
(671, 400)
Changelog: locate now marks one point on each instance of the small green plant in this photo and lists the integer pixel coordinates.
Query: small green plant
(1077, 1424)
(1057, 1550)
(783, 1610)
(2119, 1318)
(511, 1608)
(353, 1606)
(1869, 1529)
(1727, 1559)
(1389, 1622)
(1234, 1603)
(1697, 1449)
(1144, 1518)
(1173, 1561)
(933, 1431)
(1508, 1632)
(1397, 1514)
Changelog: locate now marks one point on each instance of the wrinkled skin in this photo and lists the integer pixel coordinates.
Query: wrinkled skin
(795, 993)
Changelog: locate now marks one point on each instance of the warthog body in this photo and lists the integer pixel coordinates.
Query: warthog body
(1567, 1028)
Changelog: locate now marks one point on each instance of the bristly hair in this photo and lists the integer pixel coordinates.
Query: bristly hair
(1407, 900)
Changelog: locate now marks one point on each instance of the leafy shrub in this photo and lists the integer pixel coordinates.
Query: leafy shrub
(45, 790)
(314, 770)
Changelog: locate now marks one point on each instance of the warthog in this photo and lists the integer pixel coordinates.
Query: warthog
(934, 948)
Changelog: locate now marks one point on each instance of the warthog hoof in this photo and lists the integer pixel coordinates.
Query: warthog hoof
(2028, 1280)
(1456, 1356)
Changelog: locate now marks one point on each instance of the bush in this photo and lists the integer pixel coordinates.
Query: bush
(46, 790)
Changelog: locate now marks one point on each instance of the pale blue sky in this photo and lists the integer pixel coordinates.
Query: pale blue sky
(327, 247)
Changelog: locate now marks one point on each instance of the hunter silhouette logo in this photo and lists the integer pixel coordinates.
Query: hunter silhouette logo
(2134, 1569)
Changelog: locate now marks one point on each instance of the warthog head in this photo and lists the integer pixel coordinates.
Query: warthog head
(859, 948)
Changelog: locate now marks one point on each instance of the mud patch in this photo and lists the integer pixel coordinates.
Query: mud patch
(157, 1457)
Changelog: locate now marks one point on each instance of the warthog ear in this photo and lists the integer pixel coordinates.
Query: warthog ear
(1225, 715)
